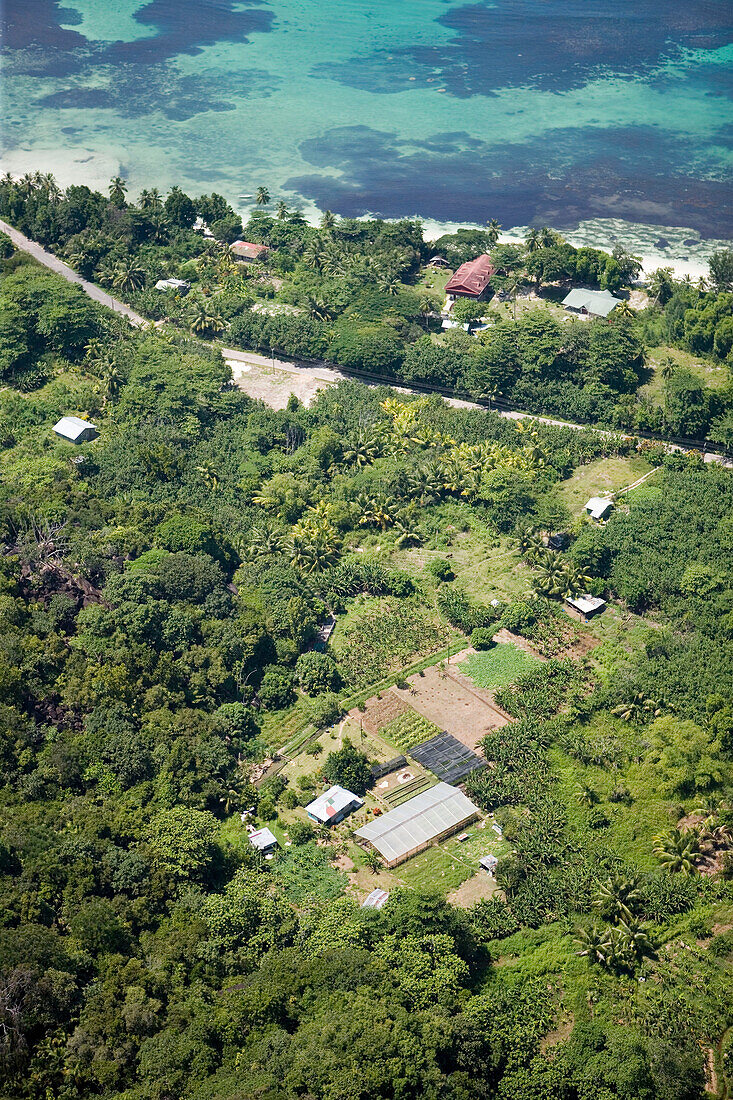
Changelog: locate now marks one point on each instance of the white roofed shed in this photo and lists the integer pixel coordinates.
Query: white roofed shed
(403, 832)
(75, 429)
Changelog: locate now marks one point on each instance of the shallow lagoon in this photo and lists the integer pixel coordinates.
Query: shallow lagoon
(530, 111)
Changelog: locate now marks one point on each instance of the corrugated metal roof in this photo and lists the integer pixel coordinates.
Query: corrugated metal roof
(418, 821)
(263, 839)
(73, 426)
(598, 302)
(332, 802)
(471, 278)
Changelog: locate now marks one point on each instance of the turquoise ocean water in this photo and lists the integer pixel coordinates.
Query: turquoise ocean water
(602, 119)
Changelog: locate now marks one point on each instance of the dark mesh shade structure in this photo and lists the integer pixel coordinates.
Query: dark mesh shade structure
(447, 758)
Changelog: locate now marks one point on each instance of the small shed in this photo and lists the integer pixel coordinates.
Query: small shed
(375, 900)
(179, 285)
(598, 507)
(558, 540)
(263, 840)
(591, 303)
(489, 863)
(584, 607)
(333, 806)
(438, 261)
(75, 429)
(249, 253)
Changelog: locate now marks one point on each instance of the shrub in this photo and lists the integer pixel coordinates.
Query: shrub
(324, 709)
(348, 768)
(482, 637)
(276, 689)
(493, 919)
(316, 672)
(461, 612)
(440, 569)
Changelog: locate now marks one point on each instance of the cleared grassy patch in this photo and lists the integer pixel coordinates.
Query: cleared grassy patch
(497, 667)
(712, 374)
(444, 867)
(605, 475)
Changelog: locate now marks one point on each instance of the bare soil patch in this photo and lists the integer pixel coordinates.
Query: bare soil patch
(379, 711)
(448, 699)
(473, 890)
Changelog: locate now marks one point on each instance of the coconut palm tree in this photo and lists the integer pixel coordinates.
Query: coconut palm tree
(205, 322)
(265, 541)
(379, 511)
(661, 285)
(209, 475)
(547, 237)
(128, 276)
(639, 708)
(623, 309)
(594, 944)
(634, 943)
(587, 796)
(407, 532)
(667, 368)
(677, 851)
(262, 196)
(94, 351)
(388, 281)
(281, 210)
(361, 451)
(328, 220)
(117, 191)
(318, 308)
(532, 241)
(372, 861)
(492, 231)
(112, 381)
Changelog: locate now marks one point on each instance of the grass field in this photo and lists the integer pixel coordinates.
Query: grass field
(445, 867)
(605, 475)
(485, 567)
(712, 374)
(494, 668)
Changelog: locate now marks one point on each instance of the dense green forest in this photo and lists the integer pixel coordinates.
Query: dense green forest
(359, 294)
(162, 589)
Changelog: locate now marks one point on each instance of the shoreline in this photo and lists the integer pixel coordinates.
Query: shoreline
(686, 251)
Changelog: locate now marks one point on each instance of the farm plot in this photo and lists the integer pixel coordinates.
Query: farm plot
(497, 667)
(409, 729)
(459, 708)
(386, 636)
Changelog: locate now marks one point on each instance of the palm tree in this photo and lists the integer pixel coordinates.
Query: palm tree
(618, 898)
(265, 542)
(94, 351)
(547, 237)
(594, 944)
(262, 196)
(362, 451)
(204, 322)
(229, 800)
(388, 281)
(112, 381)
(532, 241)
(623, 309)
(318, 308)
(117, 191)
(638, 709)
(209, 475)
(677, 851)
(407, 534)
(661, 285)
(492, 231)
(328, 220)
(667, 368)
(372, 860)
(587, 796)
(634, 942)
(128, 276)
(281, 210)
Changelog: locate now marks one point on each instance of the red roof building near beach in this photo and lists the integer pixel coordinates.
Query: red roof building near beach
(244, 250)
(471, 279)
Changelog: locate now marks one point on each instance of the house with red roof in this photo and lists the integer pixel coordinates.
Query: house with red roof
(471, 280)
(249, 253)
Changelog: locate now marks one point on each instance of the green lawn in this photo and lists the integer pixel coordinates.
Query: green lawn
(497, 667)
(444, 867)
(485, 566)
(605, 475)
(712, 374)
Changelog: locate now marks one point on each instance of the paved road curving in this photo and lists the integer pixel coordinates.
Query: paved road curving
(316, 374)
(55, 264)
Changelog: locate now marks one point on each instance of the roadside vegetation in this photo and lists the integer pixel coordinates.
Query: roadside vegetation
(167, 594)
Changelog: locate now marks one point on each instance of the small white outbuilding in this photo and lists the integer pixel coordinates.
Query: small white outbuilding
(598, 507)
(75, 429)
